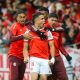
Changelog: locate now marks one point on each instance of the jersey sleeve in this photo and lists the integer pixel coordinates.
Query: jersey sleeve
(27, 31)
(50, 37)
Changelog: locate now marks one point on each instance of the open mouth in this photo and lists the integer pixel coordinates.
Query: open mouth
(22, 21)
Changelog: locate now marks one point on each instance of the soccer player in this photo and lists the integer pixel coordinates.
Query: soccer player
(58, 69)
(15, 54)
(38, 49)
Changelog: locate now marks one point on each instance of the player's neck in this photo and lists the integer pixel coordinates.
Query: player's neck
(20, 24)
(38, 26)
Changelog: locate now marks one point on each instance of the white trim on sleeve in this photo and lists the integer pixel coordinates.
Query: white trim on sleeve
(27, 31)
(50, 37)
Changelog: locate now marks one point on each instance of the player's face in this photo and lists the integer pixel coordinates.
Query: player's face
(21, 18)
(52, 21)
(40, 20)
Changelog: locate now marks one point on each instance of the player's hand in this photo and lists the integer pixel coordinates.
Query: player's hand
(69, 58)
(27, 35)
(26, 60)
(51, 61)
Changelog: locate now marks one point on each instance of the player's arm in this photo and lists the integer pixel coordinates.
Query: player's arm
(25, 52)
(15, 37)
(13, 33)
(63, 51)
(61, 48)
(52, 48)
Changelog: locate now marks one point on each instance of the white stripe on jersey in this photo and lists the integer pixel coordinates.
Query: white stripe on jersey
(50, 37)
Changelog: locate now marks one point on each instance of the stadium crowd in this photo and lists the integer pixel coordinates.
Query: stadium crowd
(68, 18)
(68, 12)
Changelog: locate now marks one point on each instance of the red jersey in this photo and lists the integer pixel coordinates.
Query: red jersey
(16, 47)
(57, 42)
(38, 47)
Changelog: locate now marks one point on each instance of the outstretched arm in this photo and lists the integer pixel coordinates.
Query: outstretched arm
(19, 37)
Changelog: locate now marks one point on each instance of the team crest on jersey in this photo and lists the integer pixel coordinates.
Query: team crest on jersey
(14, 64)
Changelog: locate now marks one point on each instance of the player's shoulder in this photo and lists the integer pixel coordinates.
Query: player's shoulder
(14, 25)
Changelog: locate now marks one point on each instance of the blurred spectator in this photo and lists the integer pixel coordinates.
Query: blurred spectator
(4, 42)
(52, 8)
(69, 30)
(77, 40)
(68, 12)
(30, 10)
(43, 10)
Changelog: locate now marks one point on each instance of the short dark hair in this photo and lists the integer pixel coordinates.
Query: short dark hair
(19, 12)
(53, 15)
(36, 15)
(43, 9)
